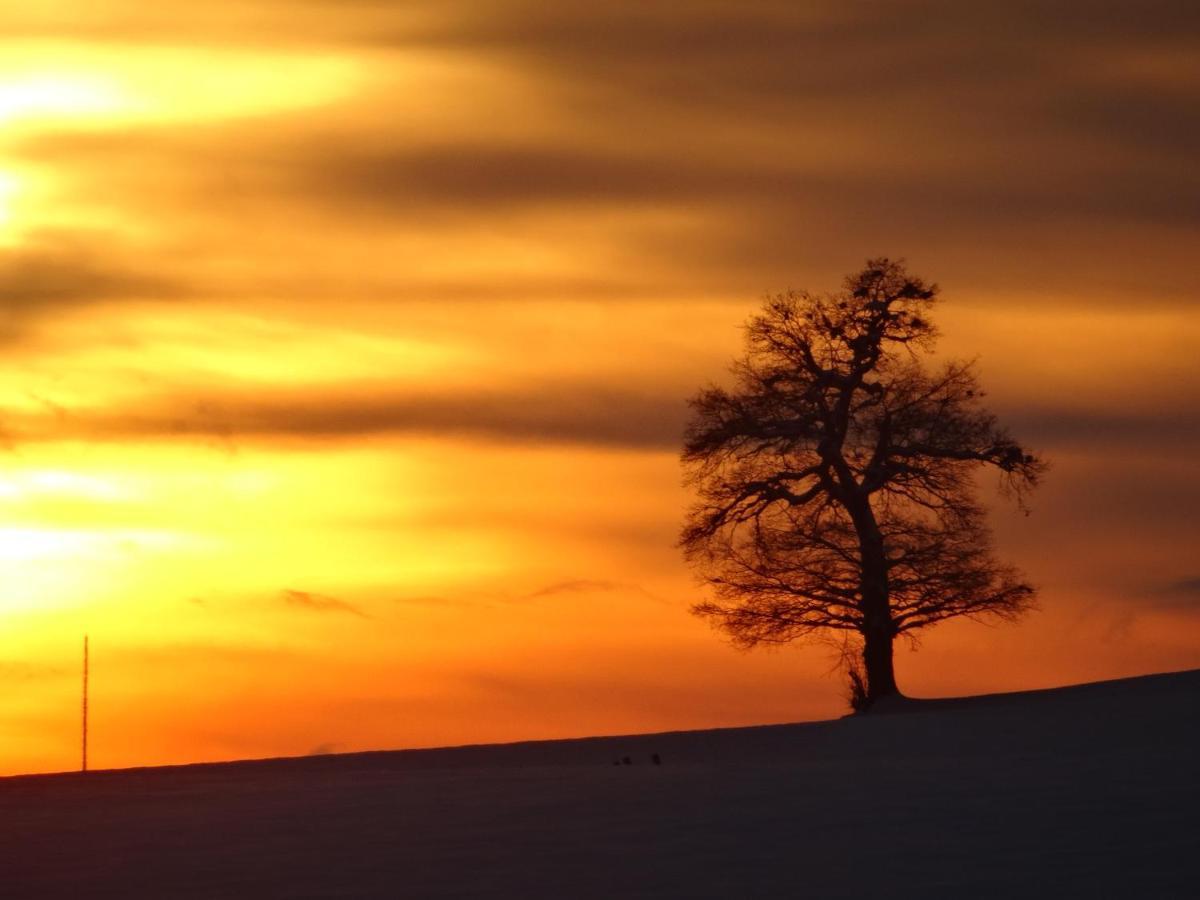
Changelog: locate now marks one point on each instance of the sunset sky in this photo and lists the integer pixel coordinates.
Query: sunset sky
(347, 347)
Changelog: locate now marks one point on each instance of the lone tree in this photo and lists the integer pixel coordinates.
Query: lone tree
(836, 479)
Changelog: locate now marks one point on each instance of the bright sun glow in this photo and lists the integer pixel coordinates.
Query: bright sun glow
(117, 86)
(48, 568)
(36, 96)
(10, 190)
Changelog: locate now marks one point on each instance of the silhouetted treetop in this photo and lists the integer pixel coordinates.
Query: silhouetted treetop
(836, 476)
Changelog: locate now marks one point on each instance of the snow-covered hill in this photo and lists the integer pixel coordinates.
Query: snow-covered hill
(1087, 791)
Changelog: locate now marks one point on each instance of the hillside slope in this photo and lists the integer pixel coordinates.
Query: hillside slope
(1089, 791)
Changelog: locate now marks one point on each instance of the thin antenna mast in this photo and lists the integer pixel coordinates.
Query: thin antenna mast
(85, 701)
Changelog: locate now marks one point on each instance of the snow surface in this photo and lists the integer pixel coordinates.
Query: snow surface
(1089, 791)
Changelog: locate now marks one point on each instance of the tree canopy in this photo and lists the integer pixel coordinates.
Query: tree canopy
(836, 477)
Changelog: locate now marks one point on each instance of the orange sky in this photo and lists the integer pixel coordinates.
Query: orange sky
(347, 347)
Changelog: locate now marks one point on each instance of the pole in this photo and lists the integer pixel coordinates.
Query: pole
(85, 702)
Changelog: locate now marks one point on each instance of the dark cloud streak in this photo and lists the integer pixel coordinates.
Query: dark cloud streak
(561, 411)
(1167, 428)
(64, 268)
(313, 602)
(552, 413)
(1182, 596)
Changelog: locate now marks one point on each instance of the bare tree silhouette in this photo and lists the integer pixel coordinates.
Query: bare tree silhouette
(836, 479)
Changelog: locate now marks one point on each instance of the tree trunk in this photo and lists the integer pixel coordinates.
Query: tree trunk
(877, 630)
(875, 599)
(877, 660)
